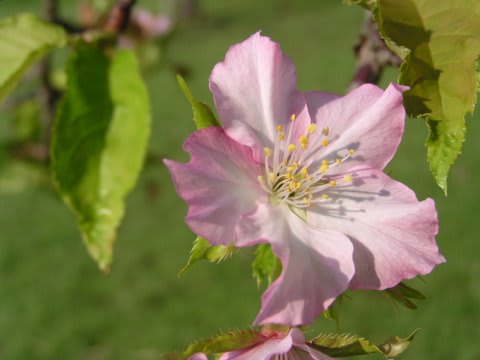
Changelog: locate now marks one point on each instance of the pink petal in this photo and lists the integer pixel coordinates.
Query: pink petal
(263, 351)
(368, 120)
(317, 265)
(219, 184)
(393, 234)
(255, 89)
(198, 356)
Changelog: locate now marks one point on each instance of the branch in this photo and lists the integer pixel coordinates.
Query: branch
(119, 17)
(373, 56)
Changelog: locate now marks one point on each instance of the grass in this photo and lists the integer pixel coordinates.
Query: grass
(55, 304)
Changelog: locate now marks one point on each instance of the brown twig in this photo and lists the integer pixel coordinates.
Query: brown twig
(373, 56)
(119, 17)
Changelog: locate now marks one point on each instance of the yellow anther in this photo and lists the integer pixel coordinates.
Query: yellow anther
(280, 128)
(261, 179)
(267, 151)
(326, 131)
(306, 201)
(293, 167)
(311, 128)
(291, 147)
(297, 185)
(324, 166)
(271, 177)
(351, 151)
(293, 117)
(333, 183)
(303, 142)
(304, 172)
(348, 177)
(325, 196)
(325, 142)
(289, 176)
(338, 161)
(281, 136)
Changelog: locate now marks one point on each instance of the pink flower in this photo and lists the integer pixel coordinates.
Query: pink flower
(277, 346)
(303, 172)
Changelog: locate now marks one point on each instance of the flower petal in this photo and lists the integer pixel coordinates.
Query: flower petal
(255, 89)
(317, 265)
(368, 120)
(263, 351)
(198, 356)
(393, 234)
(219, 184)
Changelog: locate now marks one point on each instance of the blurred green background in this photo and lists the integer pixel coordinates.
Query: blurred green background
(55, 304)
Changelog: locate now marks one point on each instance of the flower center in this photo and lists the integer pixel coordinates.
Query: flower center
(290, 176)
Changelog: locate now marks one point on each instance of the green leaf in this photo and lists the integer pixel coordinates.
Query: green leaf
(100, 137)
(24, 39)
(439, 41)
(403, 293)
(343, 345)
(265, 265)
(202, 115)
(229, 341)
(203, 250)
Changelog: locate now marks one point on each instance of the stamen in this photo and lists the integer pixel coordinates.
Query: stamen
(324, 167)
(311, 128)
(289, 175)
(303, 142)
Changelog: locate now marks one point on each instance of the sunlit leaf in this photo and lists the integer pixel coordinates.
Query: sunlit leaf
(99, 141)
(24, 39)
(229, 341)
(439, 41)
(202, 115)
(202, 250)
(343, 345)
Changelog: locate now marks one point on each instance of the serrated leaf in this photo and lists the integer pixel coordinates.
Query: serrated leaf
(202, 250)
(265, 266)
(343, 345)
(439, 41)
(100, 137)
(202, 115)
(24, 39)
(229, 341)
